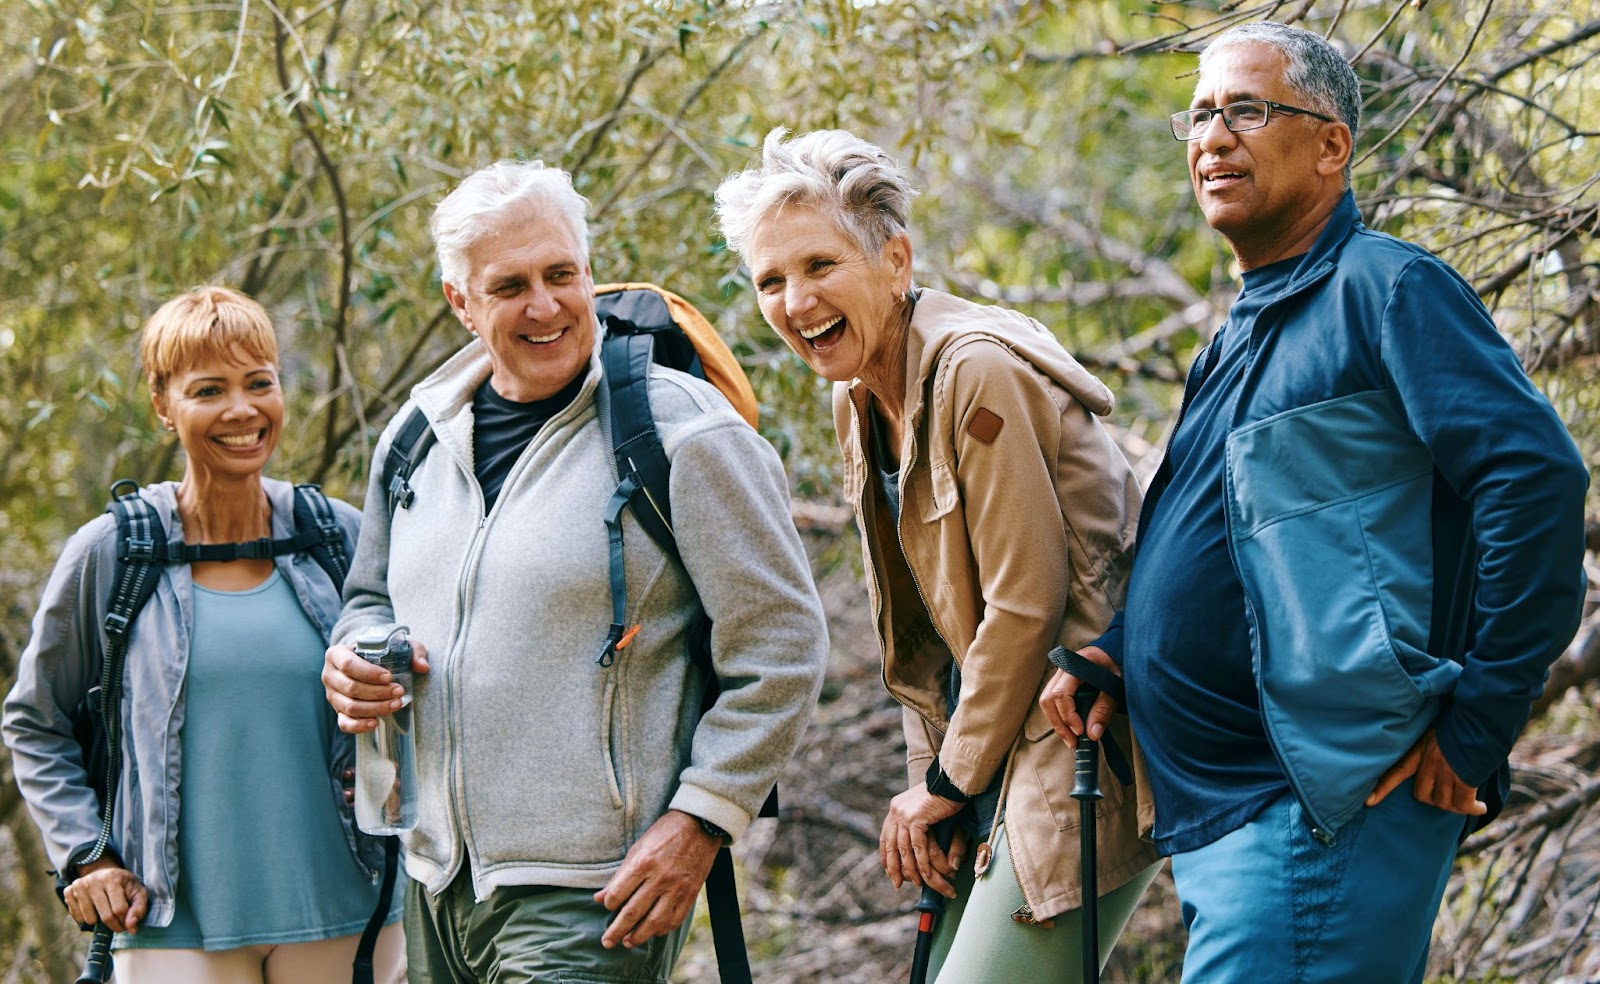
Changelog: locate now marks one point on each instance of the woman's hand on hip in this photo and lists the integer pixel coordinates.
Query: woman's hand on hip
(1059, 701)
(908, 852)
(104, 891)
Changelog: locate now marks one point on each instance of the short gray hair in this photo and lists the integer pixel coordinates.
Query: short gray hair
(1317, 72)
(489, 199)
(848, 179)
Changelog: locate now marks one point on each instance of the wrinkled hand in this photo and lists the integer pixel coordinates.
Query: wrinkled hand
(656, 886)
(1063, 713)
(907, 851)
(1435, 782)
(104, 891)
(361, 691)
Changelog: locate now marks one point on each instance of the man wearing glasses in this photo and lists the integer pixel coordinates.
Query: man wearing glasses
(1359, 558)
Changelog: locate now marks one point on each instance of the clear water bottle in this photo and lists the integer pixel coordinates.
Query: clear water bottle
(386, 771)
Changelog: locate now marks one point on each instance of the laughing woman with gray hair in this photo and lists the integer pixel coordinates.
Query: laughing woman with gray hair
(997, 521)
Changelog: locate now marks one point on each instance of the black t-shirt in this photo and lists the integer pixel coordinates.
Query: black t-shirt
(1186, 649)
(502, 428)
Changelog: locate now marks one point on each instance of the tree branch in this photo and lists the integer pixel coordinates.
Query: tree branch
(330, 448)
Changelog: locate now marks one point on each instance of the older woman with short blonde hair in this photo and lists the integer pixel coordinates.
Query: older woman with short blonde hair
(996, 521)
(233, 856)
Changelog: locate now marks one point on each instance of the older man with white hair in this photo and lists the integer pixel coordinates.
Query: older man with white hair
(568, 809)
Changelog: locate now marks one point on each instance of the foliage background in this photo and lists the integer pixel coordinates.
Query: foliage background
(294, 149)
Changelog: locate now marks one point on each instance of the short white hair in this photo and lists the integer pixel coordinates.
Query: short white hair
(491, 198)
(846, 178)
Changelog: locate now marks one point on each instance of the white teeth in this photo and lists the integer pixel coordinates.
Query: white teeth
(809, 333)
(240, 440)
(540, 339)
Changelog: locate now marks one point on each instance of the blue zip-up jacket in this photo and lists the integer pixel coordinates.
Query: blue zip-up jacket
(1405, 512)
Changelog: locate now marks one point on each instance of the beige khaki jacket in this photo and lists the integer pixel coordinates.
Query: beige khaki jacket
(1017, 521)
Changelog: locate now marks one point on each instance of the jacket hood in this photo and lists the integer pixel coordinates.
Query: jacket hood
(941, 320)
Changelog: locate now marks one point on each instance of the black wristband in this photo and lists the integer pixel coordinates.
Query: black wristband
(714, 830)
(939, 784)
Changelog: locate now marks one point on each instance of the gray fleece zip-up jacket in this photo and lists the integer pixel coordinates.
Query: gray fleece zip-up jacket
(535, 764)
(63, 658)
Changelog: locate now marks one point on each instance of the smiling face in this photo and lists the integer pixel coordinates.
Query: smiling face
(832, 303)
(530, 298)
(227, 412)
(1269, 190)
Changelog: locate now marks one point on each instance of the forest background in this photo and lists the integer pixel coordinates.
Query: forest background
(294, 149)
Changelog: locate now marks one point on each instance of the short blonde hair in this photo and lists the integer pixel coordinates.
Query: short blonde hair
(201, 323)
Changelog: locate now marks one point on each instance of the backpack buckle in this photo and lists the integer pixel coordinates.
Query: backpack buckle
(117, 625)
(255, 549)
(400, 494)
(138, 548)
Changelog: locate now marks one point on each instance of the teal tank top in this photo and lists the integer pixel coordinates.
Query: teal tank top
(262, 854)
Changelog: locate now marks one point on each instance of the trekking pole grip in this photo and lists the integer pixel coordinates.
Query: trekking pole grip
(1086, 770)
(97, 965)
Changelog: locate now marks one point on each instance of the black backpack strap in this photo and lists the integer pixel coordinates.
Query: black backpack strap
(644, 482)
(361, 968)
(313, 514)
(722, 910)
(625, 360)
(141, 540)
(406, 451)
(643, 472)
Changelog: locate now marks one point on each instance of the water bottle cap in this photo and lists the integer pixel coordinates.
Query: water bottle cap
(382, 637)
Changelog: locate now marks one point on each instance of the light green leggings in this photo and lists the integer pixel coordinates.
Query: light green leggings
(977, 942)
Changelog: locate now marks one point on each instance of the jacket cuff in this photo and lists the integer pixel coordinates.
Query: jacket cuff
(939, 784)
(69, 871)
(709, 807)
(916, 765)
(1463, 746)
(1111, 639)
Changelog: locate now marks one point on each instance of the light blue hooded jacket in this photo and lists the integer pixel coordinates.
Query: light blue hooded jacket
(63, 659)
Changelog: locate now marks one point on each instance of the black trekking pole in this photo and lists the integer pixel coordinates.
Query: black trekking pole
(1086, 790)
(929, 906)
(97, 965)
(1093, 680)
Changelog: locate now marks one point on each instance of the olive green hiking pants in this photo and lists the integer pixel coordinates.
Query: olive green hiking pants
(524, 934)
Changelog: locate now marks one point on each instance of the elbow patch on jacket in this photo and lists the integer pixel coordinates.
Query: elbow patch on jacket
(985, 425)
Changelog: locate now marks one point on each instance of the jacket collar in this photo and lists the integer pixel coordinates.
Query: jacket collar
(940, 320)
(1343, 222)
(445, 396)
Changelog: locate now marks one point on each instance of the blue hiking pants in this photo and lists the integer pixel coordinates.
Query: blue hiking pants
(1270, 902)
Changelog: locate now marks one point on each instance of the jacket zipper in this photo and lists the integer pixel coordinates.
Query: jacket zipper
(457, 776)
(1319, 827)
(905, 469)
